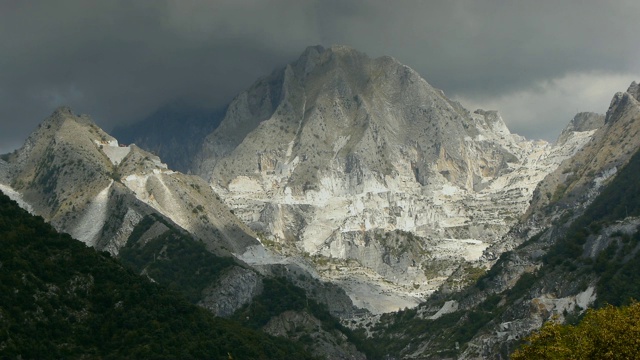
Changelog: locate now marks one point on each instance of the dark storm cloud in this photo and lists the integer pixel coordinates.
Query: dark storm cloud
(119, 60)
(490, 47)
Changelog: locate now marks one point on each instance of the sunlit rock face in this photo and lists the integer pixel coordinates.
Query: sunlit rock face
(79, 178)
(366, 170)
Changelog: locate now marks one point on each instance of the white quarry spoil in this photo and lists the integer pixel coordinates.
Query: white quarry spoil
(93, 218)
(448, 307)
(16, 196)
(151, 189)
(114, 151)
(376, 295)
(455, 224)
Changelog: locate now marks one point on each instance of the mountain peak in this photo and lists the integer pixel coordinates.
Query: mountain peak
(343, 56)
(586, 121)
(343, 49)
(57, 117)
(634, 90)
(622, 101)
(494, 121)
(63, 113)
(63, 110)
(365, 146)
(314, 49)
(581, 122)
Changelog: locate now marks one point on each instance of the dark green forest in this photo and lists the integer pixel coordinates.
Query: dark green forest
(61, 299)
(173, 259)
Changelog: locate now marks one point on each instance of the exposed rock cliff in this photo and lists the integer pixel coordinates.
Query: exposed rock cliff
(575, 248)
(124, 200)
(582, 122)
(327, 155)
(330, 344)
(578, 179)
(81, 180)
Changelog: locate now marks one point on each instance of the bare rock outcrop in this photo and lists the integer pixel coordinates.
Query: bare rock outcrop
(325, 155)
(232, 291)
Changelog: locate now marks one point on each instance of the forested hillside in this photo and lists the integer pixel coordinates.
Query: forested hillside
(62, 299)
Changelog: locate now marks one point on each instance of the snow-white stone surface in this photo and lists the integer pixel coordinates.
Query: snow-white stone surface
(342, 162)
(93, 218)
(570, 304)
(113, 150)
(448, 307)
(16, 196)
(460, 223)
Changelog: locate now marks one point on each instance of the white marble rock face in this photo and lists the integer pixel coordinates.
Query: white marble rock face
(327, 155)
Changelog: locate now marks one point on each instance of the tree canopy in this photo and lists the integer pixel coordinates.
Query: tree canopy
(62, 299)
(607, 333)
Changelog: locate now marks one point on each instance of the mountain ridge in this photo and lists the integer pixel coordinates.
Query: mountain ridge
(568, 253)
(81, 180)
(364, 146)
(366, 187)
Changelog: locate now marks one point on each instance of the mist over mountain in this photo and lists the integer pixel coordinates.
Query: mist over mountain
(174, 132)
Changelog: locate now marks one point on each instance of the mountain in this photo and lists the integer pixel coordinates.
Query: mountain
(170, 227)
(174, 132)
(61, 299)
(578, 179)
(584, 122)
(85, 183)
(379, 179)
(347, 187)
(575, 248)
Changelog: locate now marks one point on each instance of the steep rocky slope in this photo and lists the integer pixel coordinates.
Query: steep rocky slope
(361, 166)
(565, 192)
(355, 171)
(588, 205)
(575, 248)
(170, 227)
(578, 179)
(81, 180)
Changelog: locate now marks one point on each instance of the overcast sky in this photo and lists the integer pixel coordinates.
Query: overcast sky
(537, 62)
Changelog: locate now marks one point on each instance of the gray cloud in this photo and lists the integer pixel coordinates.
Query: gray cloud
(119, 60)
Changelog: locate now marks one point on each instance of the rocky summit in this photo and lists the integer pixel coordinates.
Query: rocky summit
(371, 175)
(79, 178)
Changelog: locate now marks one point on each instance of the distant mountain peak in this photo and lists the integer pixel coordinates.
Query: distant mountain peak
(63, 113)
(581, 122)
(63, 110)
(634, 90)
(337, 148)
(58, 115)
(313, 49)
(587, 121)
(622, 101)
